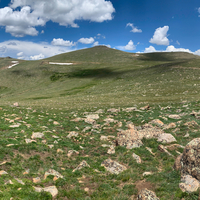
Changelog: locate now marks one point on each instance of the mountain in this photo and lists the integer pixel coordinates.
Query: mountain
(101, 76)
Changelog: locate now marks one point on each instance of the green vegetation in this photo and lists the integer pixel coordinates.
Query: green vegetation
(50, 97)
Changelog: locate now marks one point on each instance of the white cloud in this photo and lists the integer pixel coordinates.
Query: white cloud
(96, 43)
(14, 47)
(160, 36)
(86, 40)
(3, 49)
(171, 48)
(61, 42)
(130, 46)
(20, 54)
(37, 57)
(22, 16)
(149, 49)
(177, 42)
(134, 28)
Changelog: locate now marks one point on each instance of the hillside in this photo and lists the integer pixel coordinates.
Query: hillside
(128, 78)
(105, 125)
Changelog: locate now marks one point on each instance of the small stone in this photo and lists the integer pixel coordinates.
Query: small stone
(171, 125)
(137, 158)
(14, 126)
(19, 181)
(163, 149)
(147, 107)
(86, 189)
(51, 146)
(157, 122)
(16, 104)
(9, 145)
(113, 110)
(52, 172)
(9, 182)
(2, 172)
(90, 121)
(81, 165)
(113, 167)
(29, 141)
(93, 116)
(72, 134)
(56, 123)
(26, 172)
(70, 152)
(111, 150)
(147, 173)
(150, 150)
(60, 151)
(37, 135)
(51, 189)
(36, 180)
(174, 116)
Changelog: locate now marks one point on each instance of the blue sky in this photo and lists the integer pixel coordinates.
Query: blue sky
(36, 29)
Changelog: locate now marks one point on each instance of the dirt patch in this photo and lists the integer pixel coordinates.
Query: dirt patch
(142, 184)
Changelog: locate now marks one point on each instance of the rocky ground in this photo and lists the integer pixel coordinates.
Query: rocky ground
(141, 152)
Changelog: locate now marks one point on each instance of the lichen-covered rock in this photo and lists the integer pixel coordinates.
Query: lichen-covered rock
(177, 164)
(189, 184)
(166, 138)
(147, 195)
(113, 167)
(190, 161)
(131, 138)
(137, 158)
(81, 165)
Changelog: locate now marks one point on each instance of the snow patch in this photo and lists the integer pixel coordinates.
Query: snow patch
(53, 63)
(15, 63)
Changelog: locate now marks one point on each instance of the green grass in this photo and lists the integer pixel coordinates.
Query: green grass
(101, 78)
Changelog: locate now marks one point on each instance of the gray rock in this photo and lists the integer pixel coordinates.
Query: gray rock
(190, 161)
(51, 189)
(146, 194)
(189, 184)
(37, 135)
(112, 166)
(166, 138)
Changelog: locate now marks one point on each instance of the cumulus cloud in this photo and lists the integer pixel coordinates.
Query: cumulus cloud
(134, 28)
(22, 16)
(37, 57)
(61, 42)
(170, 48)
(130, 46)
(149, 49)
(160, 36)
(86, 40)
(96, 43)
(31, 50)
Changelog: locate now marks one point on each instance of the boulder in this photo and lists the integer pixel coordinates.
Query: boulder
(190, 160)
(166, 138)
(146, 194)
(189, 184)
(113, 167)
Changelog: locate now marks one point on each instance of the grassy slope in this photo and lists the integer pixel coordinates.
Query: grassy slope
(102, 76)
